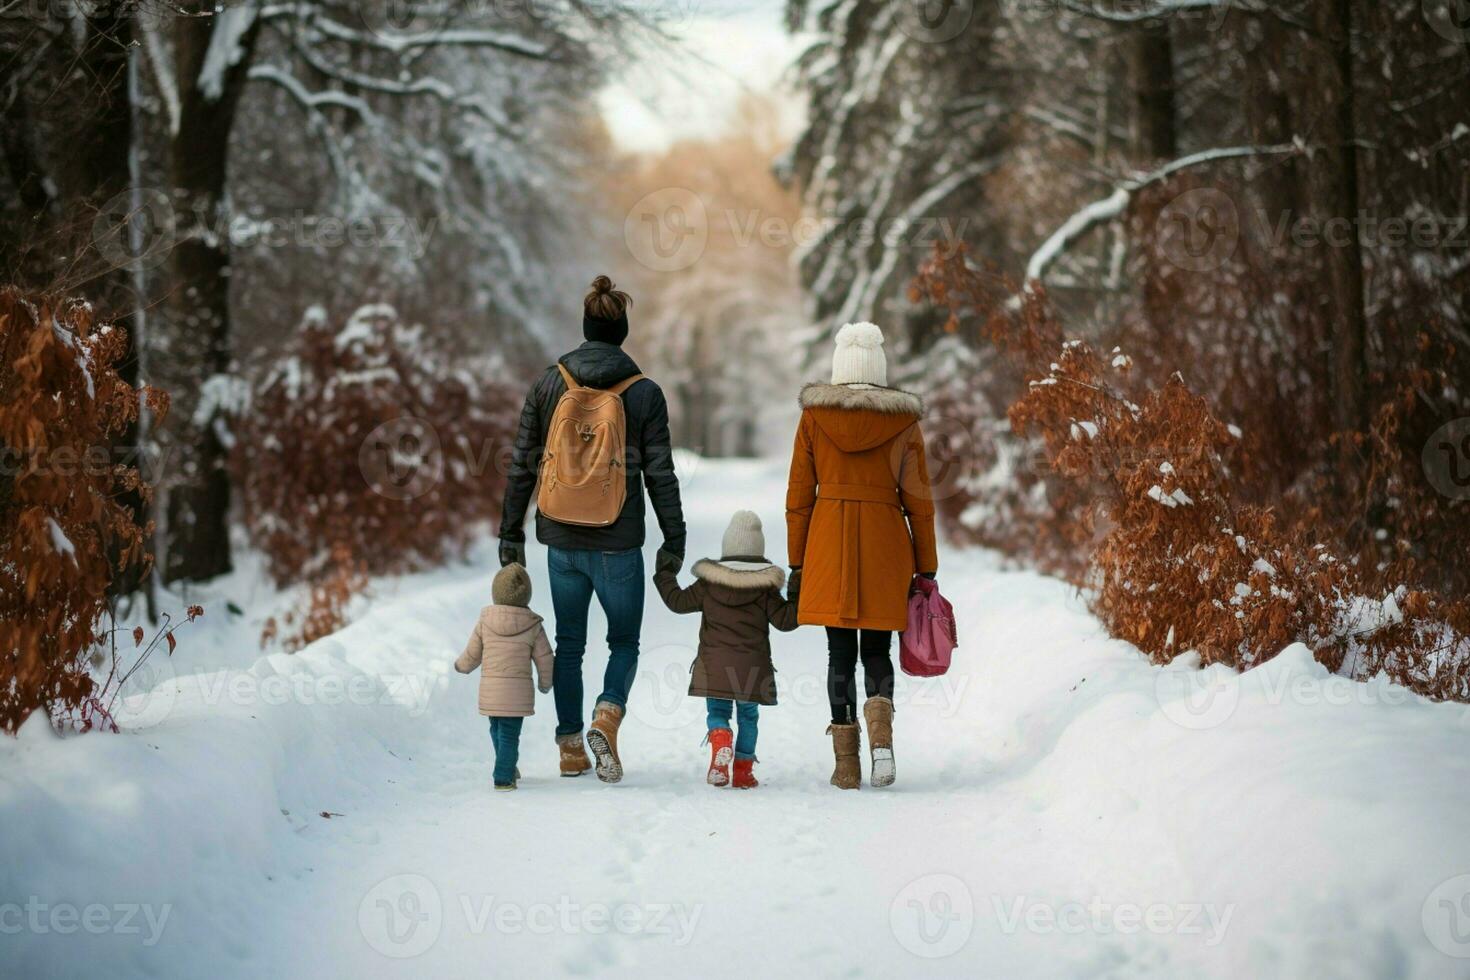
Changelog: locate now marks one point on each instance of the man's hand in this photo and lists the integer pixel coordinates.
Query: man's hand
(512, 553)
(667, 561)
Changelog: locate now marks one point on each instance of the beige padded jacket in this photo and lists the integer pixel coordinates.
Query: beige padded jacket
(506, 641)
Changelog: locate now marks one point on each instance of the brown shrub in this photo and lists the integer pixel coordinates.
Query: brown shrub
(1178, 562)
(368, 450)
(63, 535)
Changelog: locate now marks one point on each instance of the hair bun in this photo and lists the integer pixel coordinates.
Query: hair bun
(603, 285)
(867, 336)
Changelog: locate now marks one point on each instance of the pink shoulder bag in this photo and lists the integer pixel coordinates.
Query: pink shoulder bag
(927, 645)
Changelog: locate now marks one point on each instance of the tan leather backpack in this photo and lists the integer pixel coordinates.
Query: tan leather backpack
(584, 476)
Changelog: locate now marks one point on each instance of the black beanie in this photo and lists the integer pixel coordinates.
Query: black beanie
(607, 331)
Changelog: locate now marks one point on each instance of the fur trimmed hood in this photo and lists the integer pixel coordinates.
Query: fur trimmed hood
(758, 575)
(888, 401)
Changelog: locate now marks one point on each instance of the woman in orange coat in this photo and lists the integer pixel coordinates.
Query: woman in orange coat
(860, 525)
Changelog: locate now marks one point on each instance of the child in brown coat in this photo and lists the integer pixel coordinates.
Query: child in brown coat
(739, 599)
(506, 641)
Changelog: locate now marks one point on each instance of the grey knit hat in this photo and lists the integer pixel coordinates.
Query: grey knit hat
(512, 586)
(743, 538)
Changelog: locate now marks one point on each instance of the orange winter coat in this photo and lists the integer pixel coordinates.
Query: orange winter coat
(859, 511)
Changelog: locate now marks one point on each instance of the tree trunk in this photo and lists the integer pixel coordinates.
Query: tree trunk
(198, 308)
(1153, 92)
(1151, 77)
(105, 176)
(1333, 183)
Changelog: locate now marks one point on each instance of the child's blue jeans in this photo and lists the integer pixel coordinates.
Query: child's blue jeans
(505, 735)
(720, 710)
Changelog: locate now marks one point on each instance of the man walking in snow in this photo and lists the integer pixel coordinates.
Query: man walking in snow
(588, 557)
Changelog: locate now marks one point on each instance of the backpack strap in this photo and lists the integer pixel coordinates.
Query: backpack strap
(566, 376)
(616, 389)
(623, 386)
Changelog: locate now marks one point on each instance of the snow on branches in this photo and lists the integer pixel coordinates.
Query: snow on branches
(369, 449)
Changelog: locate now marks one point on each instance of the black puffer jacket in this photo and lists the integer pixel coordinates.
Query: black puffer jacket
(650, 458)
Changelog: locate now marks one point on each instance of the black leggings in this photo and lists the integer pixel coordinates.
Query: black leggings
(842, 657)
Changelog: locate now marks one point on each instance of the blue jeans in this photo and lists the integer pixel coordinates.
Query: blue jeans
(505, 735)
(616, 578)
(750, 715)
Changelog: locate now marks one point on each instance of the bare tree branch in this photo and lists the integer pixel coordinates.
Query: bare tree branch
(407, 43)
(1109, 208)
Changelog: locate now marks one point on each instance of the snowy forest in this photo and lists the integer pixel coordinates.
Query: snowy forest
(1183, 285)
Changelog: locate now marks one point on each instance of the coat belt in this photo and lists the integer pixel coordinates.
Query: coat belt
(858, 491)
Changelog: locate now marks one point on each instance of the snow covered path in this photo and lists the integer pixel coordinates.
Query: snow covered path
(1062, 809)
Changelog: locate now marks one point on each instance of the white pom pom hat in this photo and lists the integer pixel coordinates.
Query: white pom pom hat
(859, 357)
(744, 538)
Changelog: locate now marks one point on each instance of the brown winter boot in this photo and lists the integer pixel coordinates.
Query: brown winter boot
(878, 713)
(848, 773)
(574, 759)
(602, 739)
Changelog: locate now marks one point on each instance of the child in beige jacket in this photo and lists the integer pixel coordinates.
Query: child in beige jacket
(507, 639)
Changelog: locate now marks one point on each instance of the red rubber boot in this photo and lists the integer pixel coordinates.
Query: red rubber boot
(745, 774)
(721, 751)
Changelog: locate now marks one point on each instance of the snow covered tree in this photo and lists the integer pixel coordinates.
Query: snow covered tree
(907, 122)
(232, 152)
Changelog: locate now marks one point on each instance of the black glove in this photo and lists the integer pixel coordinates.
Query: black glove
(512, 553)
(793, 587)
(931, 576)
(667, 561)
